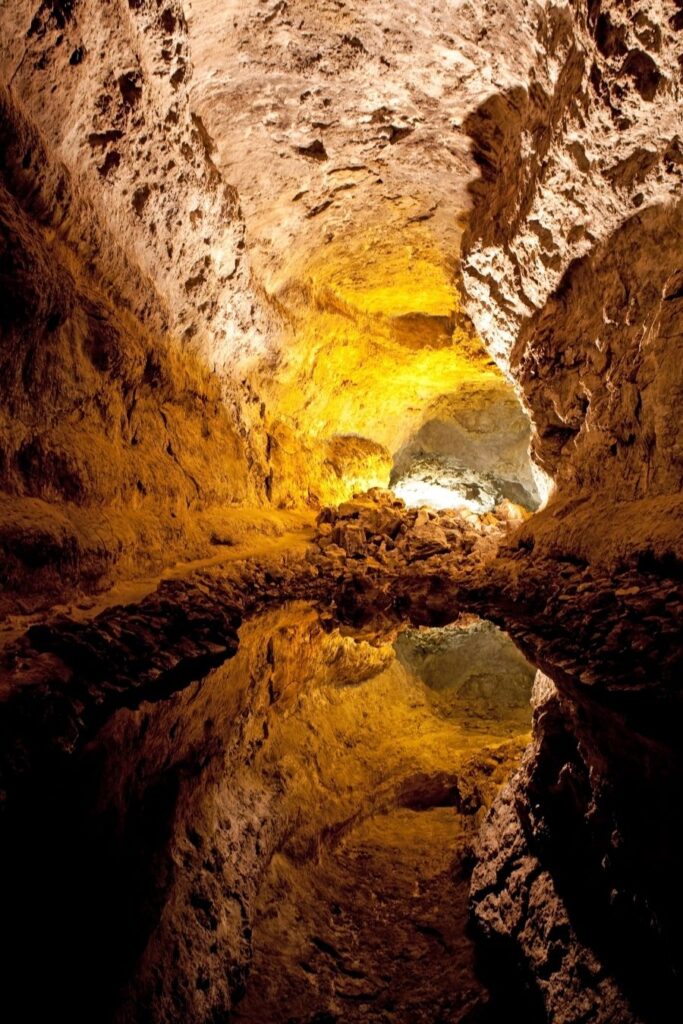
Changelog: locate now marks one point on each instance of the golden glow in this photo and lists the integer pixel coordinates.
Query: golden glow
(361, 758)
(374, 336)
(380, 274)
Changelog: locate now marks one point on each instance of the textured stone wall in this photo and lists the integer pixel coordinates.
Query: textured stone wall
(106, 86)
(125, 292)
(570, 259)
(571, 264)
(150, 379)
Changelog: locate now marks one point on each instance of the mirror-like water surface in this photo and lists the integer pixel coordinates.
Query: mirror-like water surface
(290, 835)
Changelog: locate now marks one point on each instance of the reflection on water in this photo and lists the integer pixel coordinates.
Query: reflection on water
(369, 923)
(472, 665)
(290, 831)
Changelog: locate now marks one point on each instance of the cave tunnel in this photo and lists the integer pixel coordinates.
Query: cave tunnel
(341, 526)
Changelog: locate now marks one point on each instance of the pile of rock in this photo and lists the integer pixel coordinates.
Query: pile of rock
(377, 528)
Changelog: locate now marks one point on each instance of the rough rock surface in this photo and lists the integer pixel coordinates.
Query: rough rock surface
(474, 442)
(569, 259)
(377, 529)
(157, 366)
(571, 269)
(127, 132)
(354, 226)
(588, 828)
(404, 172)
(122, 264)
(361, 125)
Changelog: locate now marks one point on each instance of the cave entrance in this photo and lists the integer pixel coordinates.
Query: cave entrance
(470, 452)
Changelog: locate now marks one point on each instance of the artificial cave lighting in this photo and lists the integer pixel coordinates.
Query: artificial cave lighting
(418, 493)
(378, 349)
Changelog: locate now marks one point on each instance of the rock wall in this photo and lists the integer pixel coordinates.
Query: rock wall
(113, 180)
(107, 89)
(577, 880)
(571, 262)
(125, 291)
(570, 257)
(177, 383)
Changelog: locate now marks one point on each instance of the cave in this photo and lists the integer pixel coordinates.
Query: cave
(341, 528)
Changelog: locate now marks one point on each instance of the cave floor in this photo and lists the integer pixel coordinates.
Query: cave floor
(257, 794)
(255, 534)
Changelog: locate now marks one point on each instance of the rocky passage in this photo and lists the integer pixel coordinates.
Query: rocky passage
(64, 678)
(66, 686)
(258, 262)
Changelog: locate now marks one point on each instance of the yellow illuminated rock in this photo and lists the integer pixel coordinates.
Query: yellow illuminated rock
(374, 336)
(339, 783)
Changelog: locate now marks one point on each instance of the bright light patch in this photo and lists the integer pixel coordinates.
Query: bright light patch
(373, 338)
(440, 482)
(416, 492)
